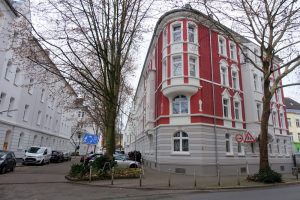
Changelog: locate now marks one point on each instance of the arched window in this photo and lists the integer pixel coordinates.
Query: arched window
(43, 95)
(20, 142)
(180, 104)
(191, 33)
(17, 76)
(180, 142)
(222, 46)
(30, 86)
(42, 141)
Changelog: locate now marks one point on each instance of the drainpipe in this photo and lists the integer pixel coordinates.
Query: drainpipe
(214, 103)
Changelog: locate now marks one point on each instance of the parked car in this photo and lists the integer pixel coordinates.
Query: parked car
(57, 156)
(67, 156)
(123, 161)
(37, 155)
(86, 159)
(7, 161)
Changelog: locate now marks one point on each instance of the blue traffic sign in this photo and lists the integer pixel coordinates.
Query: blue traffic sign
(89, 138)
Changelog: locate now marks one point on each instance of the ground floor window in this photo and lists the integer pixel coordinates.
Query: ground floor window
(180, 142)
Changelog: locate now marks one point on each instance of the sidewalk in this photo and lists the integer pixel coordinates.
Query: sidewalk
(153, 179)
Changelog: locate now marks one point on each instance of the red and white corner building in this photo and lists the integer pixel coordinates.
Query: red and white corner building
(195, 94)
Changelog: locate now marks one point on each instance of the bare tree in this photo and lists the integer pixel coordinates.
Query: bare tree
(273, 26)
(90, 42)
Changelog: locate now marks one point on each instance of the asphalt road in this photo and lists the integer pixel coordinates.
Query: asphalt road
(48, 183)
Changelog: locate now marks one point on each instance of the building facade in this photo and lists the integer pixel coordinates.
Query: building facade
(31, 112)
(293, 120)
(195, 94)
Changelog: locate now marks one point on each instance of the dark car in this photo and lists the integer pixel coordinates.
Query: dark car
(57, 156)
(86, 159)
(7, 161)
(67, 156)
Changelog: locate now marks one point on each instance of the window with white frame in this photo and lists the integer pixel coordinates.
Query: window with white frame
(25, 114)
(21, 139)
(30, 86)
(282, 120)
(255, 81)
(165, 39)
(275, 120)
(278, 146)
(233, 51)
(2, 100)
(289, 122)
(180, 105)
(258, 111)
(46, 121)
(222, 46)
(224, 73)
(17, 76)
(191, 32)
(164, 70)
(241, 150)
(297, 123)
(10, 106)
(39, 118)
(8, 70)
(235, 77)
(180, 142)
(43, 95)
(176, 32)
(177, 66)
(228, 143)
(237, 110)
(192, 66)
(279, 97)
(270, 148)
(284, 147)
(226, 107)
(262, 83)
(252, 145)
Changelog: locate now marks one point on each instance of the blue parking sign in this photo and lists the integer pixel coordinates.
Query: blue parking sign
(89, 138)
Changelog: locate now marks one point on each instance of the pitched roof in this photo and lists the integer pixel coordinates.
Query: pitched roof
(291, 104)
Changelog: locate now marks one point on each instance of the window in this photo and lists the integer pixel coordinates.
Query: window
(275, 120)
(252, 147)
(2, 99)
(8, 70)
(192, 66)
(17, 76)
(50, 122)
(164, 69)
(279, 97)
(256, 55)
(222, 46)
(255, 81)
(226, 108)
(284, 147)
(177, 66)
(224, 74)
(30, 87)
(281, 120)
(20, 142)
(289, 122)
(180, 142)
(297, 123)
(25, 114)
(34, 140)
(43, 95)
(39, 117)
(298, 136)
(46, 121)
(241, 150)
(176, 33)
(165, 39)
(228, 143)
(270, 148)
(10, 106)
(191, 32)
(235, 77)
(237, 110)
(258, 111)
(262, 83)
(278, 147)
(79, 113)
(180, 105)
(232, 51)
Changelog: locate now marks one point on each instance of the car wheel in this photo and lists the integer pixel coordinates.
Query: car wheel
(3, 170)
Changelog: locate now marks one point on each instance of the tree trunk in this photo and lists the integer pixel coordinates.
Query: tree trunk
(263, 146)
(110, 132)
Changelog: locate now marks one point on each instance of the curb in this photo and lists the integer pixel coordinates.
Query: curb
(205, 189)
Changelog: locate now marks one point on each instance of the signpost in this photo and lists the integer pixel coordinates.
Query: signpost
(90, 139)
(239, 137)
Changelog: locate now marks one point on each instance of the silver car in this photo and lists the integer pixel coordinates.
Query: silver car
(122, 161)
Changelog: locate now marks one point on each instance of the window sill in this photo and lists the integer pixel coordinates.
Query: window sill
(222, 55)
(230, 154)
(180, 153)
(241, 154)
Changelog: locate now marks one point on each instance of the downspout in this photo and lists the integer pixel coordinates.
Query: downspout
(214, 103)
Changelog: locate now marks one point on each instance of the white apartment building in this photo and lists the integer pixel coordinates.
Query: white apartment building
(31, 112)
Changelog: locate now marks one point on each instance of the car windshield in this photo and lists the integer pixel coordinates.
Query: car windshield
(2, 155)
(35, 150)
(120, 157)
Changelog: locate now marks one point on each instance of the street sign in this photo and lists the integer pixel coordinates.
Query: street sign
(239, 137)
(91, 139)
(249, 138)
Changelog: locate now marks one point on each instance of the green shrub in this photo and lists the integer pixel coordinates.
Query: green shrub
(78, 170)
(127, 173)
(99, 164)
(267, 176)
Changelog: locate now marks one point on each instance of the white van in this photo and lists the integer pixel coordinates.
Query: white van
(37, 155)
